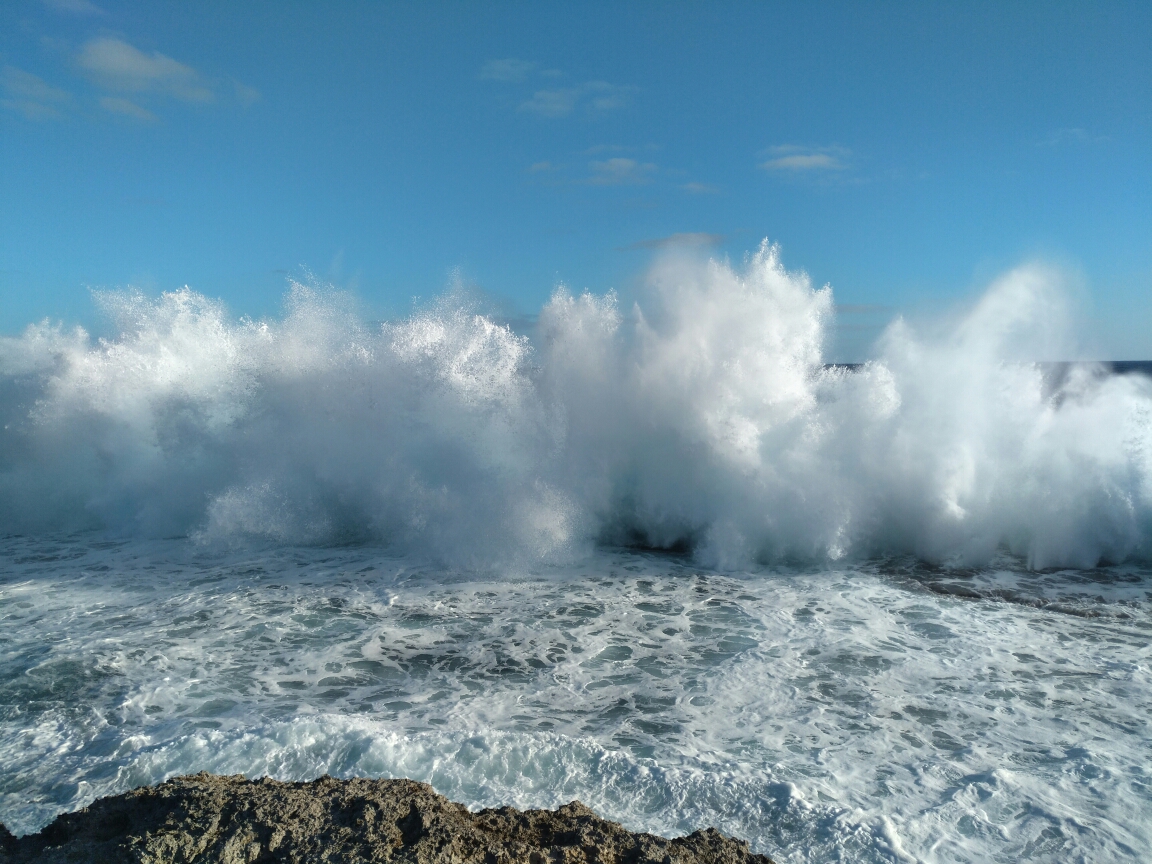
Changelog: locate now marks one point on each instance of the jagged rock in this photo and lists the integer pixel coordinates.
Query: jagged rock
(232, 820)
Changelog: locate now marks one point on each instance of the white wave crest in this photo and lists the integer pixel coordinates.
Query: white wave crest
(702, 417)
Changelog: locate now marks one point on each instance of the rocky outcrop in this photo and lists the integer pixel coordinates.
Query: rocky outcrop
(232, 820)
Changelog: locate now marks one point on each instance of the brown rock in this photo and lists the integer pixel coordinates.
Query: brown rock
(231, 820)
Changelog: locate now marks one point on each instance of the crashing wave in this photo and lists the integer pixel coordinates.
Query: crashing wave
(703, 417)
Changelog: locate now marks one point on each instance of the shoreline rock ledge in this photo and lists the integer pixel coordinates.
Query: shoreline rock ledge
(208, 819)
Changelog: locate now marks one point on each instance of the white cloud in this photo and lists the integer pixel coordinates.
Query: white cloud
(620, 172)
(593, 96)
(76, 7)
(127, 108)
(700, 188)
(804, 162)
(604, 96)
(538, 167)
(792, 159)
(31, 95)
(513, 71)
(118, 66)
(509, 69)
(25, 85)
(551, 103)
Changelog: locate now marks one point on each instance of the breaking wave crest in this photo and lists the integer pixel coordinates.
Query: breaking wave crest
(703, 417)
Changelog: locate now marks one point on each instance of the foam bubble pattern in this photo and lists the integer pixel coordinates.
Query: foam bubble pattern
(884, 711)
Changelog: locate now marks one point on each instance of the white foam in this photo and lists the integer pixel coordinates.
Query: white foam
(823, 713)
(703, 415)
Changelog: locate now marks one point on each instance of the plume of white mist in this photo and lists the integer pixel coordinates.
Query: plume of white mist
(702, 417)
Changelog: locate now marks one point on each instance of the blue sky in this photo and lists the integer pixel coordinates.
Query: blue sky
(903, 152)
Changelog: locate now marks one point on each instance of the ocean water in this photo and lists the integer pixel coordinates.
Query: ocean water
(662, 559)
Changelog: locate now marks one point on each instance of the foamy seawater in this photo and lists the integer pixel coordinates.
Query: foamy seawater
(881, 712)
(907, 617)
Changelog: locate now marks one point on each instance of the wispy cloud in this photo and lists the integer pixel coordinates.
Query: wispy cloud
(31, 95)
(541, 167)
(700, 188)
(246, 95)
(591, 96)
(620, 172)
(25, 85)
(509, 69)
(792, 159)
(115, 65)
(551, 103)
(126, 108)
(74, 7)
(804, 162)
(685, 239)
(1074, 135)
(603, 96)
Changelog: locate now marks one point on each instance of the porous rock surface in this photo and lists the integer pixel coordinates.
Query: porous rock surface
(231, 820)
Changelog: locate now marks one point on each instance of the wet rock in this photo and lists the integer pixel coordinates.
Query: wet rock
(232, 820)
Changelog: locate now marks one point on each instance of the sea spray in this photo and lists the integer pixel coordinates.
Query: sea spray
(701, 417)
(330, 546)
